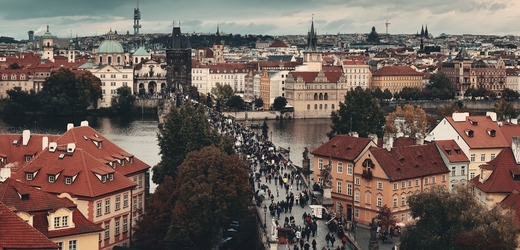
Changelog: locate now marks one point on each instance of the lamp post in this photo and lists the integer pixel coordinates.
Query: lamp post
(289, 153)
(265, 216)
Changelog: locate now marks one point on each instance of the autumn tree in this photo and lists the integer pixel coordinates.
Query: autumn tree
(454, 107)
(185, 129)
(505, 110)
(409, 120)
(222, 92)
(123, 103)
(359, 113)
(211, 189)
(456, 220)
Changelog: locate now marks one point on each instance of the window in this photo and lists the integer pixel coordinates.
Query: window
(60, 245)
(28, 177)
(51, 178)
(107, 231)
(65, 221)
(417, 182)
(117, 227)
(107, 206)
(395, 202)
(340, 167)
(350, 169)
(443, 178)
(118, 202)
(426, 181)
(135, 203)
(57, 222)
(140, 181)
(111, 177)
(112, 83)
(410, 184)
(434, 179)
(492, 156)
(125, 225)
(73, 245)
(349, 189)
(339, 187)
(357, 181)
(462, 171)
(402, 217)
(403, 184)
(482, 157)
(403, 200)
(472, 175)
(472, 157)
(140, 201)
(453, 171)
(125, 200)
(320, 163)
(98, 208)
(379, 201)
(379, 185)
(395, 186)
(356, 196)
(68, 180)
(356, 213)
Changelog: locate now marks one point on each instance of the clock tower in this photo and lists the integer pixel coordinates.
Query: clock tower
(311, 56)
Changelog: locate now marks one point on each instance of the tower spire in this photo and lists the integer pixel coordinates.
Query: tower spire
(137, 17)
(312, 41)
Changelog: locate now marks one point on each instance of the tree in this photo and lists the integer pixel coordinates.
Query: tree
(441, 85)
(209, 101)
(409, 120)
(236, 103)
(456, 220)
(222, 92)
(279, 103)
(211, 189)
(185, 129)
(505, 110)
(510, 95)
(360, 113)
(89, 87)
(123, 103)
(259, 103)
(387, 94)
(378, 93)
(373, 37)
(454, 107)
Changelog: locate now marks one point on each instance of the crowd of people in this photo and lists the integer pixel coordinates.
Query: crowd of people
(268, 166)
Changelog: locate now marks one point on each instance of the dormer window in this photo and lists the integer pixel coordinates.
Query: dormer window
(51, 178)
(68, 180)
(492, 132)
(111, 177)
(474, 123)
(29, 176)
(122, 162)
(104, 178)
(469, 133)
(457, 151)
(448, 152)
(28, 158)
(131, 159)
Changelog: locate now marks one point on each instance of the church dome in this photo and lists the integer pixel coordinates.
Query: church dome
(110, 47)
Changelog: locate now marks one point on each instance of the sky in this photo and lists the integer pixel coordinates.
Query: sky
(266, 17)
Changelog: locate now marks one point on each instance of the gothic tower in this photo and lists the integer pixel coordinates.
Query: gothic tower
(312, 58)
(71, 52)
(48, 46)
(218, 48)
(178, 60)
(137, 17)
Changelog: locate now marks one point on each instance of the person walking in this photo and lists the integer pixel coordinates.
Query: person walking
(306, 246)
(332, 239)
(314, 244)
(327, 239)
(277, 191)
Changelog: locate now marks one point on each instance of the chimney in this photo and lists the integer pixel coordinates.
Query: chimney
(53, 146)
(514, 121)
(84, 123)
(26, 135)
(45, 142)
(70, 148)
(492, 115)
(419, 139)
(4, 174)
(515, 147)
(388, 142)
(69, 126)
(459, 117)
(354, 134)
(373, 137)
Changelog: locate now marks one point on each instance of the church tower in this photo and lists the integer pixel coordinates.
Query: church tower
(312, 57)
(71, 52)
(218, 48)
(48, 46)
(178, 61)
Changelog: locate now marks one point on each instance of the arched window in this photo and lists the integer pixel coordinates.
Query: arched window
(325, 106)
(321, 106)
(308, 107)
(315, 96)
(136, 60)
(332, 106)
(321, 96)
(100, 59)
(326, 96)
(315, 106)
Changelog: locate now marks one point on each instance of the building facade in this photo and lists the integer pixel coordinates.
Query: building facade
(395, 78)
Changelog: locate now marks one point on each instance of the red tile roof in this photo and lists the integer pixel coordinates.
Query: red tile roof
(16, 152)
(278, 44)
(509, 130)
(333, 73)
(482, 127)
(17, 234)
(342, 147)
(353, 62)
(451, 150)
(512, 202)
(397, 71)
(81, 225)
(501, 179)
(410, 161)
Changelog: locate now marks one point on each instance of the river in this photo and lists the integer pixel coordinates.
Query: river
(138, 134)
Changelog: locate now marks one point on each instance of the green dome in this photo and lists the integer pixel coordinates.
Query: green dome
(110, 47)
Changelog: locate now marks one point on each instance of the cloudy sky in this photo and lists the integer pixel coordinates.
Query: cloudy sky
(275, 17)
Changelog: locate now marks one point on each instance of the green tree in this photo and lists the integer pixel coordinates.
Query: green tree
(456, 220)
(373, 37)
(209, 101)
(222, 92)
(387, 94)
(454, 107)
(505, 110)
(259, 103)
(359, 113)
(211, 189)
(510, 95)
(378, 93)
(236, 103)
(279, 103)
(185, 129)
(89, 88)
(441, 86)
(123, 103)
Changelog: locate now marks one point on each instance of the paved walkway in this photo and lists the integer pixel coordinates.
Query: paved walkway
(362, 232)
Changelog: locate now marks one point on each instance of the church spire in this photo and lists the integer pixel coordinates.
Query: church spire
(422, 30)
(312, 41)
(426, 31)
(217, 36)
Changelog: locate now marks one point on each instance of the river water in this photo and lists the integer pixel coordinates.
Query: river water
(138, 135)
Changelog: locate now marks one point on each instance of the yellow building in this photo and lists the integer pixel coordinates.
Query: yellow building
(265, 89)
(395, 78)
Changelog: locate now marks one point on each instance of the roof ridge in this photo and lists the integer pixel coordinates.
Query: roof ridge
(89, 184)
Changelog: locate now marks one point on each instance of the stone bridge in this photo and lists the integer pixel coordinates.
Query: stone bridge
(479, 107)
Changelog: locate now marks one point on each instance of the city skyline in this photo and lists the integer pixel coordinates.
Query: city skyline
(269, 17)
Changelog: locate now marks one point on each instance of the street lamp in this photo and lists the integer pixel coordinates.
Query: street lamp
(265, 216)
(289, 153)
